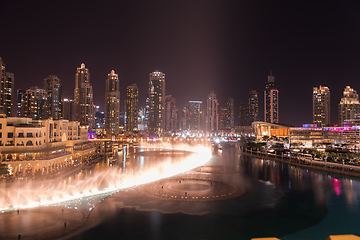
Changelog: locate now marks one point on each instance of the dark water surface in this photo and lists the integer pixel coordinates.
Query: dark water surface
(280, 201)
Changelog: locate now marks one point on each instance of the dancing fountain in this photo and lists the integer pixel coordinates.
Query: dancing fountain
(35, 193)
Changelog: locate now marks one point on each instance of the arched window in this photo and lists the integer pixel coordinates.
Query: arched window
(20, 143)
(29, 143)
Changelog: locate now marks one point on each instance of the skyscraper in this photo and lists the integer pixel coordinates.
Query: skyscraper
(83, 97)
(253, 106)
(35, 104)
(132, 99)
(224, 119)
(67, 109)
(6, 90)
(212, 115)
(112, 104)
(195, 115)
(243, 116)
(230, 114)
(170, 114)
(52, 85)
(156, 102)
(19, 101)
(349, 106)
(271, 101)
(321, 106)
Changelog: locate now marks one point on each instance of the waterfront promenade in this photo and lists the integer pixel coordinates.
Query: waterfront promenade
(331, 167)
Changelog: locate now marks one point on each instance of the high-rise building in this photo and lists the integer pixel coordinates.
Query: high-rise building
(224, 119)
(170, 114)
(83, 97)
(146, 111)
(142, 124)
(52, 85)
(157, 102)
(6, 90)
(185, 119)
(99, 118)
(112, 104)
(321, 106)
(243, 116)
(19, 101)
(349, 106)
(35, 103)
(253, 106)
(230, 108)
(195, 115)
(67, 109)
(132, 99)
(212, 115)
(271, 101)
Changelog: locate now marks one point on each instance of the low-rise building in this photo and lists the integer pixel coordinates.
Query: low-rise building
(41, 146)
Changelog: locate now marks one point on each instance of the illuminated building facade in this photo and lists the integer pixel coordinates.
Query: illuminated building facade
(83, 97)
(52, 85)
(185, 120)
(195, 114)
(253, 106)
(271, 101)
(112, 104)
(35, 103)
(132, 99)
(42, 146)
(243, 115)
(171, 118)
(270, 129)
(19, 101)
(142, 123)
(6, 90)
(212, 113)
(349, 106)
(321, 106)
(224, 119)
(156, 103)
(68, 109)
(310, 136)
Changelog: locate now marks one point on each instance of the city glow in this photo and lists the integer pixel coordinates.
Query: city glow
(35, 193)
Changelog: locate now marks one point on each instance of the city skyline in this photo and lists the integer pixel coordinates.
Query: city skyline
(189, 48)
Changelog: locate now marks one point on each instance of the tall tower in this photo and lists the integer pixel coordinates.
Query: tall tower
(52, 85)
(170, 113)
(67, 112)
(271, 101)
(230, 113)
(6, 90)
(19, 101)
(132, 99)
(321, 106)
(157, 102)
(212, 115)
(224, 119)
(195, 115)
(83, 97)
(349, 106)
(253, 106)
(35, 103)
(112, 104)
(243, 117)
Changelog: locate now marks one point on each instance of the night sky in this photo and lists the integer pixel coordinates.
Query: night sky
(224, 46)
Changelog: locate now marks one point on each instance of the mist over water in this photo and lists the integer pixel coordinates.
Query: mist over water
(103, 180)
(280, 200)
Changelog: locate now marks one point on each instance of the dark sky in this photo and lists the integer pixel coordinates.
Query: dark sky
(224, 46)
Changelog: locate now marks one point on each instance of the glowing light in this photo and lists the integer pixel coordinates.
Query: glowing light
(47, 193)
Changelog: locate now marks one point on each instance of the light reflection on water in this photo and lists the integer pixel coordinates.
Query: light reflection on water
(281, 200)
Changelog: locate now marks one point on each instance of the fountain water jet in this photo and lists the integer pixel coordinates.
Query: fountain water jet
(51, 192)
